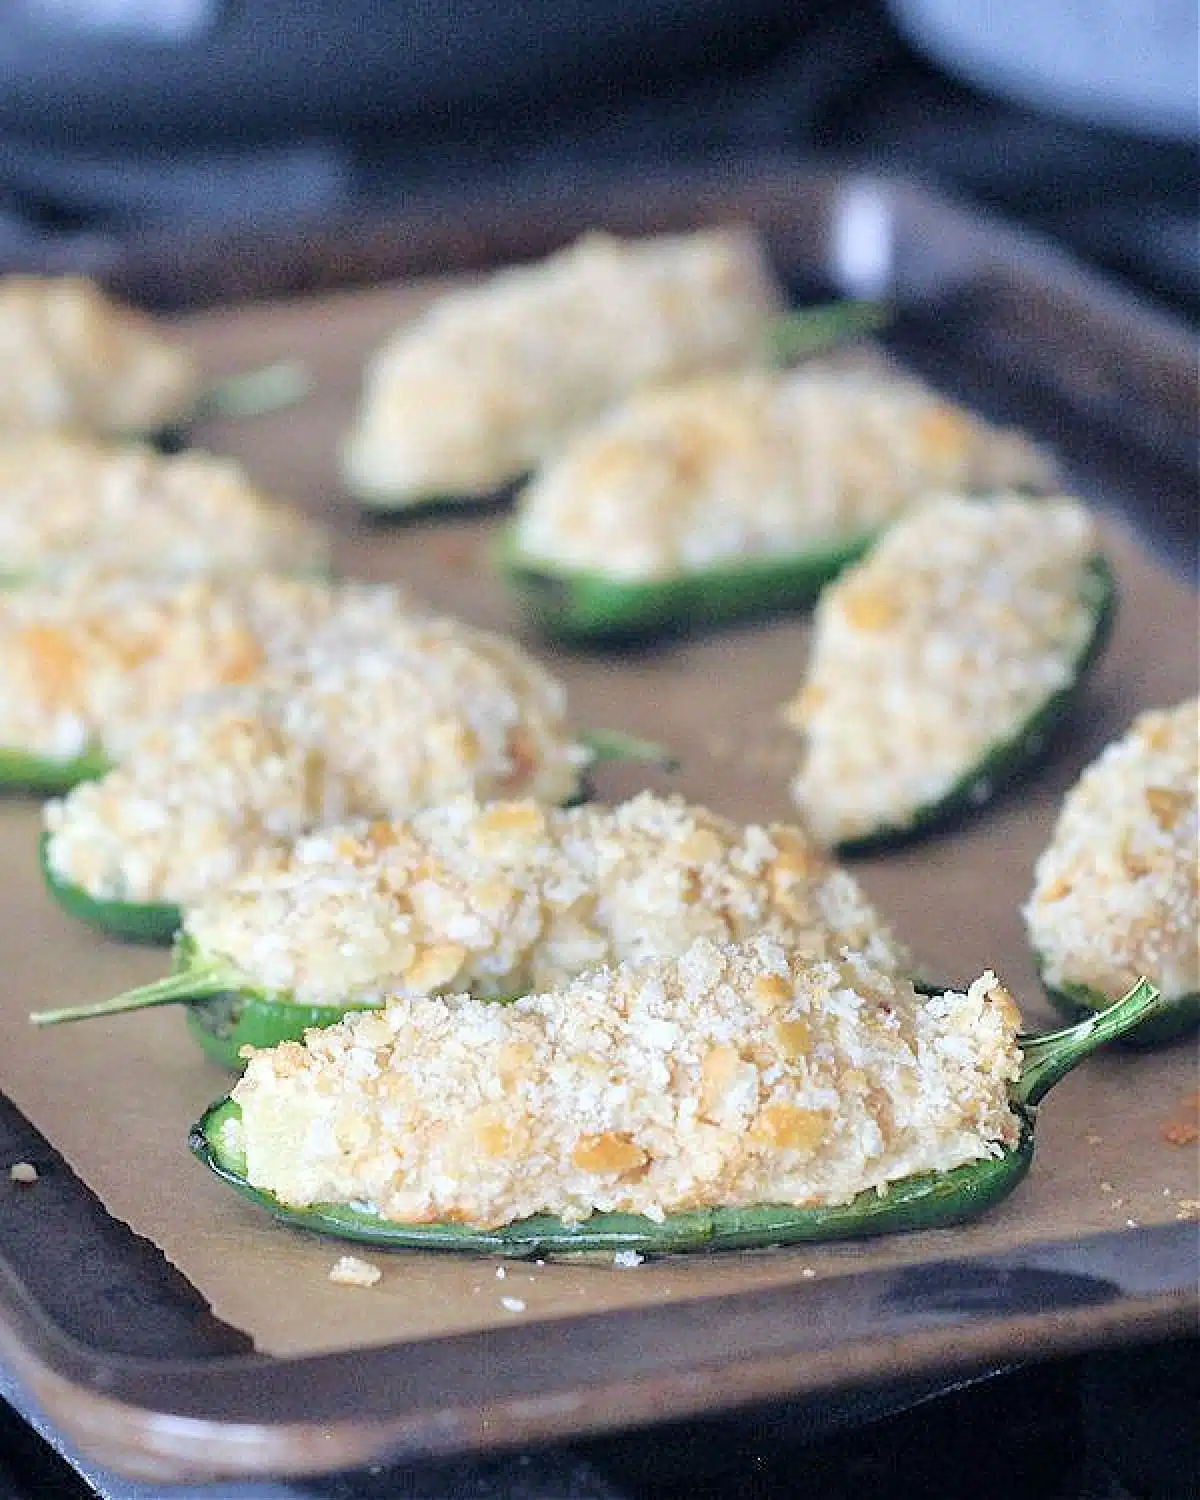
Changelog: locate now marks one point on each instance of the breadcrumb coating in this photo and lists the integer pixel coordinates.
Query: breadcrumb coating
(733, 1075)
(964, 619)
(379, 727)
(756, 464)
(509, 897)
(75, 359)
(89, 659)
(491, 378)
(67, 501)
(1115, 893)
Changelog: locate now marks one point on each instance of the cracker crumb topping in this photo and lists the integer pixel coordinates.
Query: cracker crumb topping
(72, 502)
(76, 359)
(488, 381)
(604, 1095)
(359, 722)
(756, 464)
(941, 645)
(509, 897)
(1116, 893)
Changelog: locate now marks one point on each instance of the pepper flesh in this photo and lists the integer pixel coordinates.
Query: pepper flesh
(926, 1201)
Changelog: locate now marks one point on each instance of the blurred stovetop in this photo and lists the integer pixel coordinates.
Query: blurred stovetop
(824, 78)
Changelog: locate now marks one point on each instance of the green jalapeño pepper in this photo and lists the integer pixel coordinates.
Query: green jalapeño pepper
(930, 1200)
(151, 922)
(157, 922)
(1009, 758)
(21, 771)
(591, 606)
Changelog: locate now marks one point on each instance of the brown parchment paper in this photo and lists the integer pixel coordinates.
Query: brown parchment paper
(116, 1098)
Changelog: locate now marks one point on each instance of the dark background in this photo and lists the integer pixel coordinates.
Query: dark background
(287, 110)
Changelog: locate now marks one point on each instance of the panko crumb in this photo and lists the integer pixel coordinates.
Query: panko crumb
(756, 464)
(505, 898)
(74, 358)
(349, 1270)
(491, 378)
(68, 502)
(735, 1075)
(1116, 892)
(23, 1172)
(374, 723)
(91, 657)
(957, 628)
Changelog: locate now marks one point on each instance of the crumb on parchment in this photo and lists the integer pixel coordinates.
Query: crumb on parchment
(349, 1270)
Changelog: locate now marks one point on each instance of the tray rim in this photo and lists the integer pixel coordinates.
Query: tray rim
(183, 1420)
(118, 1408)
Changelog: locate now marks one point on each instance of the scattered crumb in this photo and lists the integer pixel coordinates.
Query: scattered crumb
(1189, 1208)
(539, 1262)
(1131, 1223)
(501, 1273)
(1117, 1203)
(24, 1172)
(1106, 1187)
(1180, 1133)
(808, 1273)
(1167, 1193)
(1094, 1140)
(348, 1270)
(512, 1304)
(627, 1259)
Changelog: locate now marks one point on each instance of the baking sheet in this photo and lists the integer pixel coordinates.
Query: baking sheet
(116, 1097)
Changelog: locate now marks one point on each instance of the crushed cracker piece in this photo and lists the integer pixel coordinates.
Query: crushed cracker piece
(349, 1270)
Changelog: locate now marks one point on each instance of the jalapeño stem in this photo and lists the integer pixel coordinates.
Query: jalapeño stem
(1047, 1058)
(612, 745)
(811, 330)
(255, 392)
(187, 986)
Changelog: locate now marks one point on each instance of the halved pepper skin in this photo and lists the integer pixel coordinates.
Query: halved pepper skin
(1009, 759)
(589, 606)
(149, 922)
(223, 1024)
(22, 772)
(929, 1200)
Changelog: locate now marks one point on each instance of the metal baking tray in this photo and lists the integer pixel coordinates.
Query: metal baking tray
(125, 1356)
